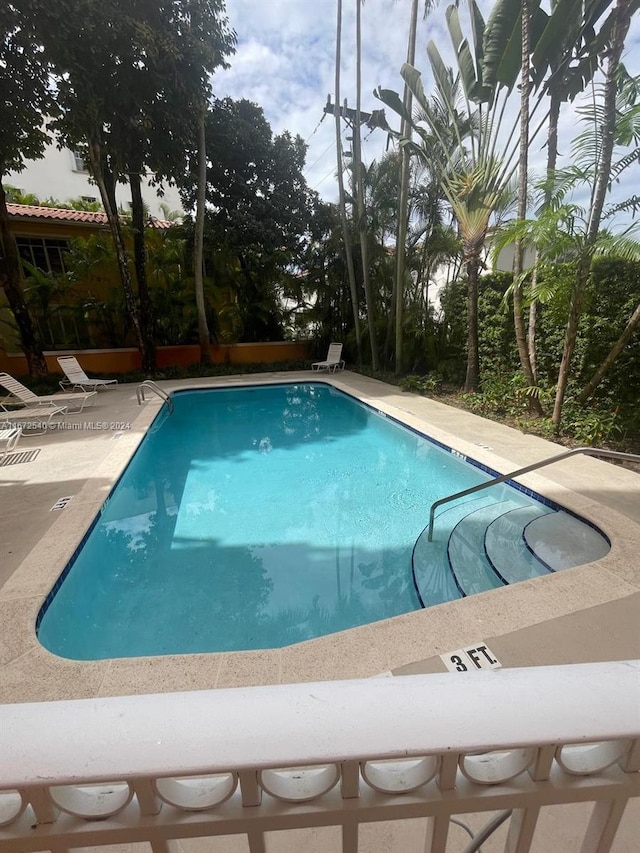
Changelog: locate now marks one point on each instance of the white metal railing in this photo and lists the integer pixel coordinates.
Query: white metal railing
(152, 386)
(251, 761)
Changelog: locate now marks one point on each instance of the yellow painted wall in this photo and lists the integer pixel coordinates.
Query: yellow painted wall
(55, 230)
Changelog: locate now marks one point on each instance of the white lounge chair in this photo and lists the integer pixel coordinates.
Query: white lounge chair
(25, 396)
(37, 420)
(75, 377)
(333, 361)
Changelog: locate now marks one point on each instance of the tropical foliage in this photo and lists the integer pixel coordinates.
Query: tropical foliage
(266, 258)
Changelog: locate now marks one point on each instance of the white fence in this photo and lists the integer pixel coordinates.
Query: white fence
(251, 761)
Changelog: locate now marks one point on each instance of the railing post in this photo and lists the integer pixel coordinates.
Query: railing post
(256, 842)
(251, 790)
(448, 771)
(603, 825)
(631, 761)
(41, 803)
(437, 834)
(149, 803)
(350, 780)
(165, 845)
(350, 836)
(542, 765)
(521, 828)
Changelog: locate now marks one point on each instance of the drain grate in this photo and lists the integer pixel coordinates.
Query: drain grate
(19, 456)
(61, 503)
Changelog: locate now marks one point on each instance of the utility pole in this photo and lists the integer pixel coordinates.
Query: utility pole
(346, 113)
(355, 119)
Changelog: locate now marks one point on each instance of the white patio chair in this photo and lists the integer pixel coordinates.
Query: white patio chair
(25, 396)
(9, 437)
(333, 361)
(75, 377)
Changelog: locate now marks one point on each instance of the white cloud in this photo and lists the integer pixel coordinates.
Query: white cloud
(253, 54)
(285, 63)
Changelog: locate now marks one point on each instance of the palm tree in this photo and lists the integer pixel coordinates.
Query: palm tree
(567, 50)
(565, 231)
(621, 19)
(461, 143)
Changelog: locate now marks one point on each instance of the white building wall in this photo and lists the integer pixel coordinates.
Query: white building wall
(56, 176)
(505, 259)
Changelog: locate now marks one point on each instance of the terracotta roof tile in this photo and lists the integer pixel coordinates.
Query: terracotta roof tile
(31, 211)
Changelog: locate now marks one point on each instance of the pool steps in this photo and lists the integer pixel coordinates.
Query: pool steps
(506, 546)
(483, 544)
(466, 549)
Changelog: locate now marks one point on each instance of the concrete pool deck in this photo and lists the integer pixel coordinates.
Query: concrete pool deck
(586, 613)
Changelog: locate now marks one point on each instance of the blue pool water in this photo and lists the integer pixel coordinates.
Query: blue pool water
(258, 517)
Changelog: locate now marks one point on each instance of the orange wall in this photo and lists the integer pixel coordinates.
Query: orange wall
(123, 360)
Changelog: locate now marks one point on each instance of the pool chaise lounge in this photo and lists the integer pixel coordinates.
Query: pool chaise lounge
(36, 420)
(74, 401)
(333, 361)
(75, 377)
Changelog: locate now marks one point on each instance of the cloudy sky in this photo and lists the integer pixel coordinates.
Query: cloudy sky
(285, 62)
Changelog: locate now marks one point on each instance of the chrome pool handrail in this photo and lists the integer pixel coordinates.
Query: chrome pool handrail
(588, 451)
(152, 386)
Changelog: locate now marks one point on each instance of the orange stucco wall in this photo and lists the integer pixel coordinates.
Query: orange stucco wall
(117, 361)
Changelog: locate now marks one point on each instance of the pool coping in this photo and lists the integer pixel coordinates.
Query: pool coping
(31, 673)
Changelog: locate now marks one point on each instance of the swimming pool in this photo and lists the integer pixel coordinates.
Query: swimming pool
(261, 516)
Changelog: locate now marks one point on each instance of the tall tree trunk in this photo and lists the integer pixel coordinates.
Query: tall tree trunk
(362, 214)
(140, 264)
(12, 285)
(532, 337)
(555, 102)
(473, 358)
(621, 22)
(204, 338)
(403, 200)
(107, 195)
(346, 238)
(523, 165)
(614, 352)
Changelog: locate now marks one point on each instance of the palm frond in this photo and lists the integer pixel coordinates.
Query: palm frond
(625, 245)
(623, 163)
(631, 205)
(560, 184)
